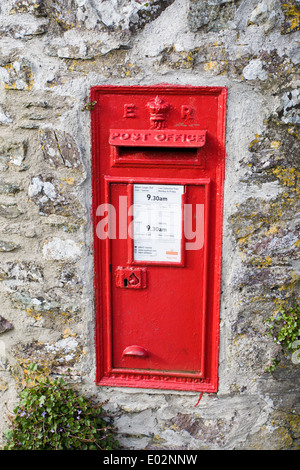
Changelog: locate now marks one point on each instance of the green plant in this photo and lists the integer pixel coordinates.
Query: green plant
(88, 105)
(284, 328)
(53, 416)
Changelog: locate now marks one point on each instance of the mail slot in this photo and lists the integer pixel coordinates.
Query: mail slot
(158, 158)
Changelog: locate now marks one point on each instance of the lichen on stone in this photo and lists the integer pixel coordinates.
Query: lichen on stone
(291, 11)
(17, 75)
(212, 16)
(60, 149)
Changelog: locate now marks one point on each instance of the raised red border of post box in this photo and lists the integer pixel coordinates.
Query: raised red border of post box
(107, 166)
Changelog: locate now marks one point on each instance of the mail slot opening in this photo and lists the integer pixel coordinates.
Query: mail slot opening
(158, 156)
(149, 152)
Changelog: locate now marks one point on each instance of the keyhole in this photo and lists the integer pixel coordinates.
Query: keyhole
(125, 282)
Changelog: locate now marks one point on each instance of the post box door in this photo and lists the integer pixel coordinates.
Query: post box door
(158, 300)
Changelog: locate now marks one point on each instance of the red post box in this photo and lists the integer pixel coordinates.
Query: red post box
(157, 170)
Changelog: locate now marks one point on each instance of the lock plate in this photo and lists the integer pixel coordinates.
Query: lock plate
(131, 277)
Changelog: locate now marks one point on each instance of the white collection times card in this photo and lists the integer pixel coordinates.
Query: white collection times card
(157, 223)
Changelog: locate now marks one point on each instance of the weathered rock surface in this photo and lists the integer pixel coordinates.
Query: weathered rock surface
(51, 54)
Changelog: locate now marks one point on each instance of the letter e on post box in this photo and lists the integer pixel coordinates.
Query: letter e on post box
(158, 158)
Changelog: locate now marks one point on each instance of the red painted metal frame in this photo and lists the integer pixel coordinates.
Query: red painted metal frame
(105, 374)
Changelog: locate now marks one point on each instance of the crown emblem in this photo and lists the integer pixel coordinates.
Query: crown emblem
(158, 112)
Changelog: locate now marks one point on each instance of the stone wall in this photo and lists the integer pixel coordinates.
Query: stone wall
(51, 53)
